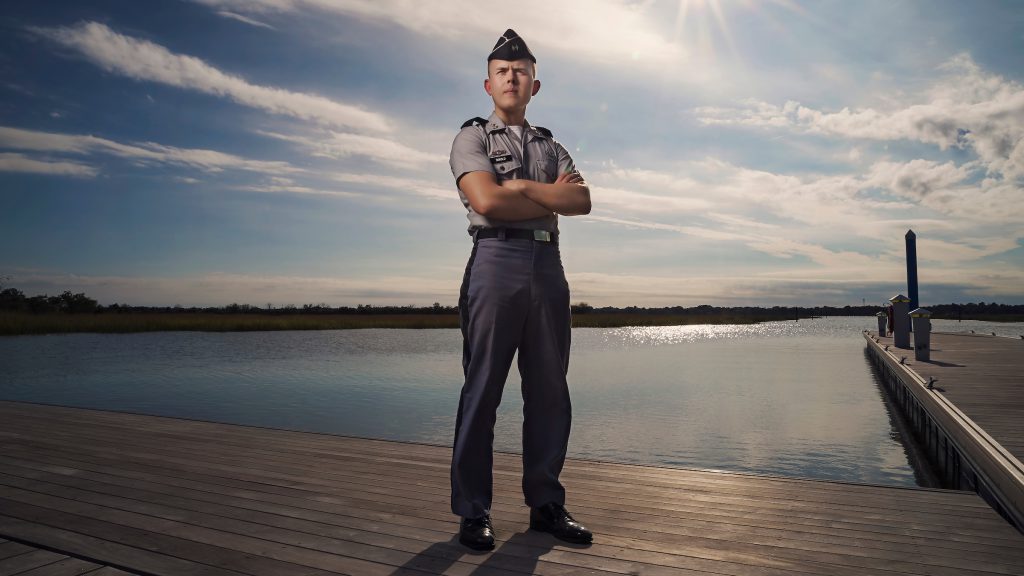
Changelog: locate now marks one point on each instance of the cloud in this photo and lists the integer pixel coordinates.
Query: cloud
(966, 108)
(805, 287)
(722, 290)
(292, 188)
(245, 19)
(342, 145)
(963, 251)
(821, 227)
(842, 262)
(918, 179)
(851, 204)
(141, 152)
(20, 163)
(694, 231)
(606, 32)
(144, 60)
(220, 289)
(404, 186)
(952, 190)
(209, 161)
(617, 199)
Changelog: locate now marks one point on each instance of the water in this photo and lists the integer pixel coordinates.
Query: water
(794, 399)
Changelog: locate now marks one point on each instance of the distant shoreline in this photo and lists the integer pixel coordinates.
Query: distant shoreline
(13, 324)
(21, 323)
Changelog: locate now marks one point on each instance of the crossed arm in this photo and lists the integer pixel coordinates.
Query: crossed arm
(522, 199)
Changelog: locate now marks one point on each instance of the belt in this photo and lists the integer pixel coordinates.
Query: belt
(517, 233)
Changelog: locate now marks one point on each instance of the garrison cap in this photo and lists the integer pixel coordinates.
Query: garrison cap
(511, 47)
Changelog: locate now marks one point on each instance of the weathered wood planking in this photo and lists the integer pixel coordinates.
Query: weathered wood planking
(984, 376)
(24, 560)
(167, 496)
(967, 420)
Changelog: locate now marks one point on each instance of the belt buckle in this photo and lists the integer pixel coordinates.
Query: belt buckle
(542, 236)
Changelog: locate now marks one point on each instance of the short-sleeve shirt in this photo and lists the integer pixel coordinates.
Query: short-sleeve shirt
(492, 147)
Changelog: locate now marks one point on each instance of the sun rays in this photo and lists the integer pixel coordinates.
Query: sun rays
(702, 26)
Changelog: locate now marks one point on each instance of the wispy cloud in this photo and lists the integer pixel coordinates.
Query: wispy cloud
(617, 199)
(140, 152)
(823, 227)
(694, 231)
(245, 19)
(10, 162)
(801, 287)
(281, 177)
(966, 108)
(221, 288)
(144, 60)
(279, 185)
(403, 186)
(343, 145)
(614, 33)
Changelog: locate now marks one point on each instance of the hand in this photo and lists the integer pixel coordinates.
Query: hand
(569, 178)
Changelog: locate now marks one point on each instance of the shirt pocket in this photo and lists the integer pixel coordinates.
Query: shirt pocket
(547, 170)
(506, 167)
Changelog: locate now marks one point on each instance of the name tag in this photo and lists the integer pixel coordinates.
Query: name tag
(500, 159)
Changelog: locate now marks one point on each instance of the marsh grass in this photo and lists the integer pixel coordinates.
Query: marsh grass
(16, 323)
(22, 323)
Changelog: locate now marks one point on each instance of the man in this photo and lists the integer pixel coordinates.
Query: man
(514, 180)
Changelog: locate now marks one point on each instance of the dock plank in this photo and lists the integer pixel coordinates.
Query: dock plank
(940, 520)
(68, 567)
(24, 560)
(983, 376)
(170, 496)
(965, 403)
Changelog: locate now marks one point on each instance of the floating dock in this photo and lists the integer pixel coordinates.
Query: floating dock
(151, 495)
(966, 407)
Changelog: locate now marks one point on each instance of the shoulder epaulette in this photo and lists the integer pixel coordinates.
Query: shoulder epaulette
(544, 131)
(478, 121)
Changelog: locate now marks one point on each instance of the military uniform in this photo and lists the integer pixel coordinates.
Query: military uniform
(514, 296)
(489, 146)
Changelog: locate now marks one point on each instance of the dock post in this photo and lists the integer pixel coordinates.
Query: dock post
(911, 242)
(882, 321)
(901, 321)
(921, 319)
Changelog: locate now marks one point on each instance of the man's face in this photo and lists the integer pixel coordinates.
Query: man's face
(511, 83)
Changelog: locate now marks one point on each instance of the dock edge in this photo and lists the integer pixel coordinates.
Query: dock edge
(966, 457)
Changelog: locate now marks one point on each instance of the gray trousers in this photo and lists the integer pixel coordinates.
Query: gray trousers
(514, 296)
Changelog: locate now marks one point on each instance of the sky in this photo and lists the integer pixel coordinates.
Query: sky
(738, 152)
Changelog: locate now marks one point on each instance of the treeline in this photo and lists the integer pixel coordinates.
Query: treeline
(758, 312)
(12, 299)
(979, 311)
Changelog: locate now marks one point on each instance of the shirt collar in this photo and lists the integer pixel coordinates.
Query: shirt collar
(495, 124)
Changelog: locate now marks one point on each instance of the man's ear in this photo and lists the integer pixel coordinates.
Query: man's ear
(536, 88)
(487, 86)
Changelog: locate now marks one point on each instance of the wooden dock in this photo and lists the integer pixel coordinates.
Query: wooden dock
(151, 495)
(984, 376)
(971, 419)
(25, 560)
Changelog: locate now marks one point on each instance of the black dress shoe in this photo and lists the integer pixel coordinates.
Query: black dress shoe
(554, 518)
(477, 533)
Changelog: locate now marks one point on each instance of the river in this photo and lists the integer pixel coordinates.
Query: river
(796, 399)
